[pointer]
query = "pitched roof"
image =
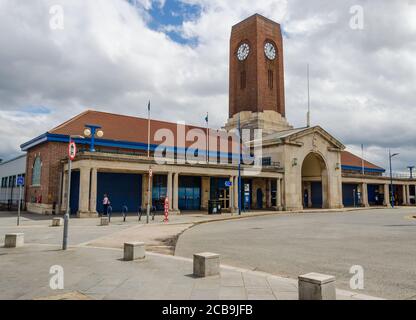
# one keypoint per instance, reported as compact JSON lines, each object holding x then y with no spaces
{"x":351,"y":160}
{"x":122,"y":128}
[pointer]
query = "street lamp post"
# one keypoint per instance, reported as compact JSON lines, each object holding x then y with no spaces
{"x":391,"y":178}
{"x":67,"y":213}
{"x":411,"y":168}
{"x":91,"y":131}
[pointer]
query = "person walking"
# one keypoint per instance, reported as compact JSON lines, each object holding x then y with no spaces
{"x":106,"y":204}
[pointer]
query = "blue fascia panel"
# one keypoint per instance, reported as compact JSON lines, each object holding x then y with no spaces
{"x":354,"y":168}
{"x":112,"y":143}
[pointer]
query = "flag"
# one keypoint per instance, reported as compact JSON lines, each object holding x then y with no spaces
{"x":148,"y":106}
{"x":206,"y":118}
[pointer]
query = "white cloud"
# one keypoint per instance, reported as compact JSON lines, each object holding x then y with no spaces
{"x":109,"y":59}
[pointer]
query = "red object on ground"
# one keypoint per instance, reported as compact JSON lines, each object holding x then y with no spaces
{"x":166,"y":210}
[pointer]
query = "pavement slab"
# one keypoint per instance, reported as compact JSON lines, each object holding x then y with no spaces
{"x":99,"y":273}
{"x":94,"y":268}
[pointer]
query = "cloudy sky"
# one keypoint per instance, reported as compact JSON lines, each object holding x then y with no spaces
{"x":115,"y":55}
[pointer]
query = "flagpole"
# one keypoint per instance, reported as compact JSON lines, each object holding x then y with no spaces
{"x":362,"y":158}
{"x":207,"y":121}
{"x":239,"y":166}
{"x":148,"y":130}
{"x":149,"y":173}
{"x":308,"y":116}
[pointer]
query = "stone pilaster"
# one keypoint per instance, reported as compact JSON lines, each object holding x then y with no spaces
{"x":84,"y":193}
{"x":364,"y":194}
{"x":170,"y":190}
{"x":93,"y":198}
{"x":176,"y":192}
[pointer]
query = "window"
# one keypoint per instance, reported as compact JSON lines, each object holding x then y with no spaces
{"x":3,"y":182}
{"x":266,"y":161}
{"x":12,"y":181}
{"x":243,"y":80}
{"x":270,"y":79}
{"x":36,"y":172}
{"x":10,"y":185}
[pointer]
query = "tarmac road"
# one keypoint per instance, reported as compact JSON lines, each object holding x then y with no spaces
{"x":382,"y":241}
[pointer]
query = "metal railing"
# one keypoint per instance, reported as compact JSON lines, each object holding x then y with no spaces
{"x":398,"y":175}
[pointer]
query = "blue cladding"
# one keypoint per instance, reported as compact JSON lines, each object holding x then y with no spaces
{"x":123,"y":189}
{"x":189,"y":193}
{"x":74,"y":200}
{"x":316,"y":195}
{"x":348,"y":195}
{"x":373,"y":195}
{"x":159,"y":191}
{"x":360,"y":169}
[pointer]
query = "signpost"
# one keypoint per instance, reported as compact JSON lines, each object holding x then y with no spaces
{"x":72,"y":150}
{"x":20,"y":183}
{"x":229,"y":185}
{"x":166,"y":210}
{"x":72,"y":153}
{"x":149,"y":196}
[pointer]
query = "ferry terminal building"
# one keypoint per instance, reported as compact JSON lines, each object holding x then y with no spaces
{"x":301,"y":167}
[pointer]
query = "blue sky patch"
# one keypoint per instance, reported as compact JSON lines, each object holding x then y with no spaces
{"x":36,"y":110}
{"x":170,"y":17}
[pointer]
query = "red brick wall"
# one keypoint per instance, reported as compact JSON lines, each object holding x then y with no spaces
{"x":51,"y":153}
{"x":257,"y":96}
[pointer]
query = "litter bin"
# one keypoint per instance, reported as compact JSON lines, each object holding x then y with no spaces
{"x":214,"y":207}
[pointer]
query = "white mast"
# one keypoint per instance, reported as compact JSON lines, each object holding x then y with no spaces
{"x":308,"y":115}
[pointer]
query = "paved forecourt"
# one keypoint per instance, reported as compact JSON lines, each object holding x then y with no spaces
{"x":381,"y":241}
{"x":99,"y":272}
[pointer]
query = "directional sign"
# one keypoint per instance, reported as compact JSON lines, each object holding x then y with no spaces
{"x":72,"y":150}
{"x":228,"y":184}
{"x":20,"y":181}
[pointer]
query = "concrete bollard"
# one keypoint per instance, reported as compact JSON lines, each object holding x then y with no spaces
{"x":57,"y":222}
{"x":134,"y":251}
{"x":14,"y":240}
{"x":206,"y":264}
{"x":105,"y":221}
{"x":316,"y":286}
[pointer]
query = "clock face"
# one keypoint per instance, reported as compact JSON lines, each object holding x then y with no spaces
{"x":270,"y":51}
{"x":243,"y":52}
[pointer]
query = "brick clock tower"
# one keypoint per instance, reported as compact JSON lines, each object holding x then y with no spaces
{"x":257,"y":92}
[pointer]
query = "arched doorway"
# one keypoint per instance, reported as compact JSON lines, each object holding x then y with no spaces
{"x":314,"y":182}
